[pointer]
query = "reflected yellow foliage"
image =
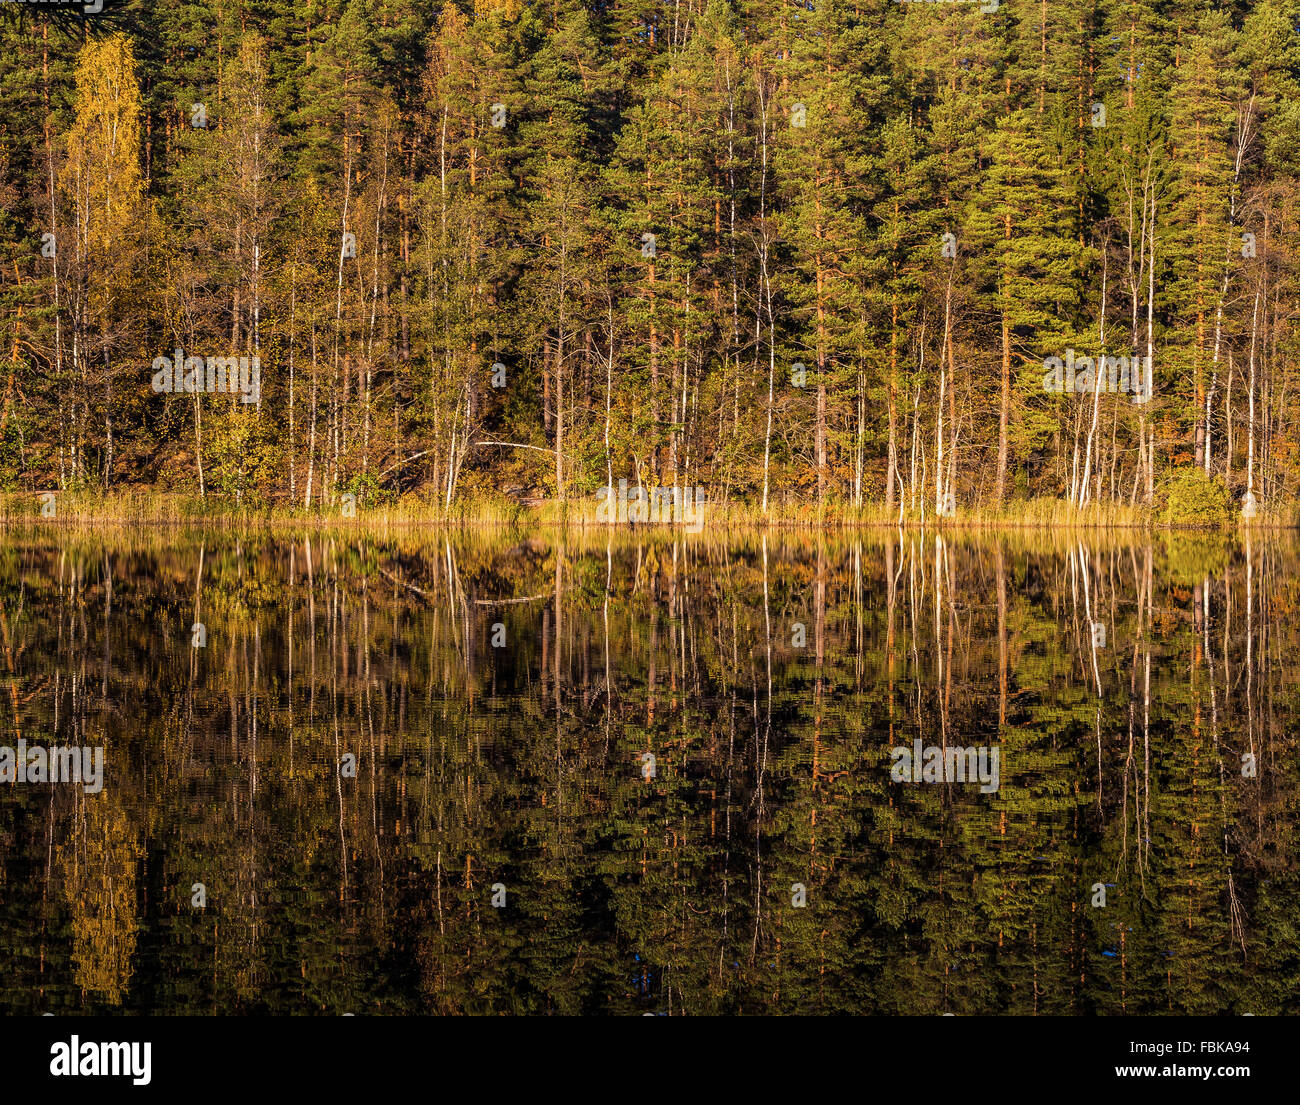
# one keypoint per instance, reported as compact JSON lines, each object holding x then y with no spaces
{"x":98,"y":865}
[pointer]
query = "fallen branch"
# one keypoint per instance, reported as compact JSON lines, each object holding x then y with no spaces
{"x":402,"y":583}
{"x":399,"y":464}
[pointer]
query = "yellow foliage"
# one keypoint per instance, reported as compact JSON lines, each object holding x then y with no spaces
{"x":102,"y":174}
{"x":505,"y":10}
{"x":98,"y":863}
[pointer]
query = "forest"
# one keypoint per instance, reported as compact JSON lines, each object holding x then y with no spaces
{"x":828,"y":259}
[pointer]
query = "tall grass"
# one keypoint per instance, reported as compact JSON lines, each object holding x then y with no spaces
{"x":142,"y":507}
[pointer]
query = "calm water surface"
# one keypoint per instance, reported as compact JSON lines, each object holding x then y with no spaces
{"x":383,"y":736}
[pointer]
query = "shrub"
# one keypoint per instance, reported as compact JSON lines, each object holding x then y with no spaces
{"x":1194,"y":499}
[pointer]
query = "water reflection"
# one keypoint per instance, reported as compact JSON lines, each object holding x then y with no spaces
{"x":308,"y":806}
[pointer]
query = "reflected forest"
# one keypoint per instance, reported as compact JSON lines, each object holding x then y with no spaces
{"x":644,"y":774}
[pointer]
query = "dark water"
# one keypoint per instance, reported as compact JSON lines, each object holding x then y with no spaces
{"x":349,"y":766}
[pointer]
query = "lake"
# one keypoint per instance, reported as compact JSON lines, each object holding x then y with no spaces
{"x":635,"y":772}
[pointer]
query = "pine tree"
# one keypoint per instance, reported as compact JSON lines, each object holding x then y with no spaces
{"x":824,"y":168}
{"x":1198,"y":245}
{"x":1021,"y":229}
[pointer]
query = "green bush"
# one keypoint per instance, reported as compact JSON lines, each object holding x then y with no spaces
{"x":1194,"y":499}
{"x":368,"y":491}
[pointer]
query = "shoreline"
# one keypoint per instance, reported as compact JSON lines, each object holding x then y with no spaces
{"x":161,"y":510}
